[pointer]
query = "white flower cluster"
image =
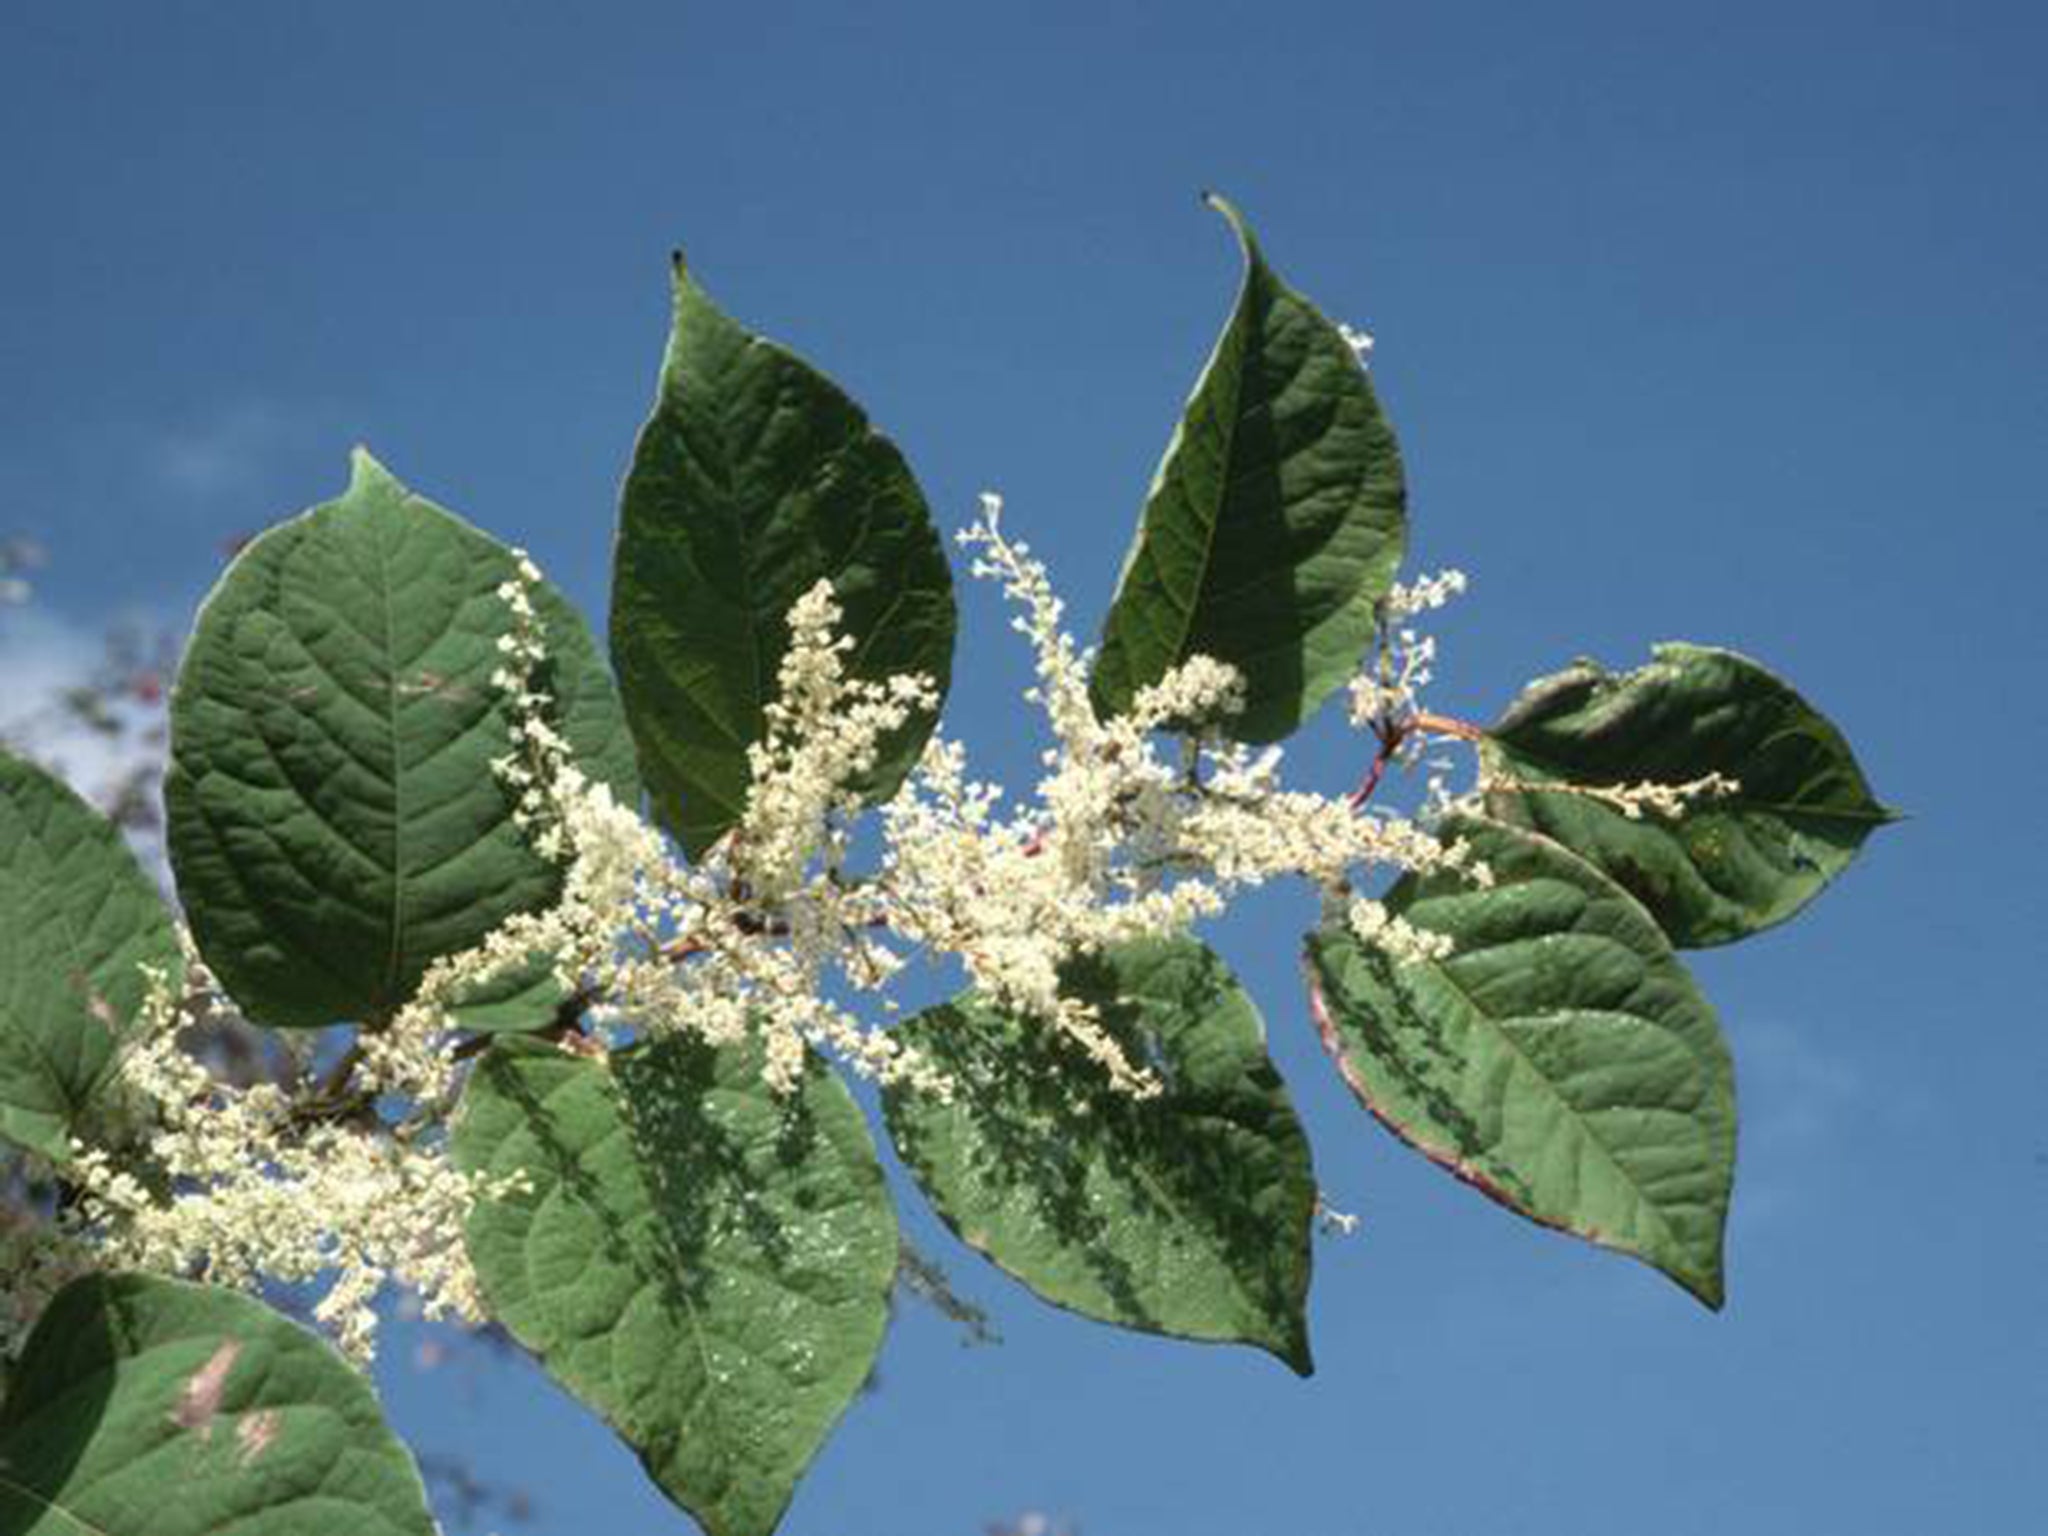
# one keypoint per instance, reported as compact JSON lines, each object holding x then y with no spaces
{"x":768,"y":937}
{"x":240,"y":1184}
{"x":823,"y":733}
{"x":541,"y":758}
{"x":1120,"y":843}
{"x":1401,"y":941}
{"x":1117,"y":844}
{"x":1390,"y":687}
{"x":1633,"y":800}
{"x":743,"y":943}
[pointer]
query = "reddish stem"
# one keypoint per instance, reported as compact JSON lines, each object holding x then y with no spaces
{"x":1392,"y":733}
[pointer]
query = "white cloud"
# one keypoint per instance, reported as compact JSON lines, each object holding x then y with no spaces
{"x":226,"y":454}
{"x":46,"y":658}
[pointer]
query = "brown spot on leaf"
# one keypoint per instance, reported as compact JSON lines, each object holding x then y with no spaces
{"x":102,"y":1010}
{"x":199,"y":1399}
{"x":253,"y":1434}
{"x":96,"y":1004}
{"x":429,"y":682}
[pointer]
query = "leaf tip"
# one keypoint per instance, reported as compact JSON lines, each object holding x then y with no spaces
{"x":364,"y":468}
{"x":1294,"y":1353}
{"x":1234,"y":217}
{"x":1709,"y":1290}
{"x":682,"y":279}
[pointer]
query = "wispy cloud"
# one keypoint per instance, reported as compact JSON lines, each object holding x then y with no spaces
{"x":227,"y":453}
{"x":59,"y":709}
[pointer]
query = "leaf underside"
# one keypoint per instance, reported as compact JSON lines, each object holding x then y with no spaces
{"x":1186,"y":1214}
{"x":1275,"y":523}
{"x":334,"y":820}
{"x":1728,"y":865}
{"x":1560,"y":1060}
{"x":705,"y":1265}
{"x":151,"y":1407}
{"x":755,"y":478}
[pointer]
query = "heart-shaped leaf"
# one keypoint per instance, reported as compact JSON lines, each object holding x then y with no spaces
{"x":705,"y":1264}
{"x":1726,"y":865}
{"x":1560,"y":1059}
{"x":334,"y":820}
{"x":78,"y":920}
{"x":1275,"y":523}
{"x":755,"y":478}
{"x":151,"y":1407}
{"x":1187,"y":1213}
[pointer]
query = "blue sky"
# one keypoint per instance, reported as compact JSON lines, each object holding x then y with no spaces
{"x":1722,"y":323}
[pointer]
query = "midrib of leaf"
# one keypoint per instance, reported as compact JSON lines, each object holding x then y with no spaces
{"x":398,"y":892}
{"x":650,"y":1181}
{"x":1184,"y":619}
{"x":9,"y":1485}
{"x":1145,"y":1176}
{"x":719,"y":473}
{"x":1586,"y":1130}
{"x":728,"y":460}
{"x":1561,"y":774}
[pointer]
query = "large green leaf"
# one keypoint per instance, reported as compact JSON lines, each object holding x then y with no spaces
{"x":335,"y":824}
{"x":1187,"y":1213}
{"x":1275,"y":523}
{"x":705,"y":1264}
{"x":150,"y":1407}
{"x":1727,"y":865}
{"x":78,"y":919}
{"x":755,"y":477}
{"x":1560,"y":1060}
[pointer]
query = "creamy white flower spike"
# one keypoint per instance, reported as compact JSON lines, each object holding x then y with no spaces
{"x":250,"y":1183}
{"x":1389,"y":686}
{"x":1635,"y":799}
{"x":1395,"y":936}
{"x":824,"y":732}
{"x":1140,"y":827}
{"x":1119,"y":843}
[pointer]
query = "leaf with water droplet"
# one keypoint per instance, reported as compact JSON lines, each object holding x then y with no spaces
{"x":681,"y":1226}
{"x":1187,"y":1213}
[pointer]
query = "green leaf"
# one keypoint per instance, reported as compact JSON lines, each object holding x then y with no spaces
{"x":1185,"y":1214}
{"x":78,"y":920}
{"x":1727,"y":865}
{"x":150,"y":1407}
{"x":703,"y":1263}
{"x":334,"y":820}
{"x":1560,"y":1060}
{"x":755,"y":478}
{"x":516,"y":999}
{"x":1275,"y":523}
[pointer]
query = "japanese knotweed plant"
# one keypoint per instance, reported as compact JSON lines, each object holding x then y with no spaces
{"x":570,"y":959}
